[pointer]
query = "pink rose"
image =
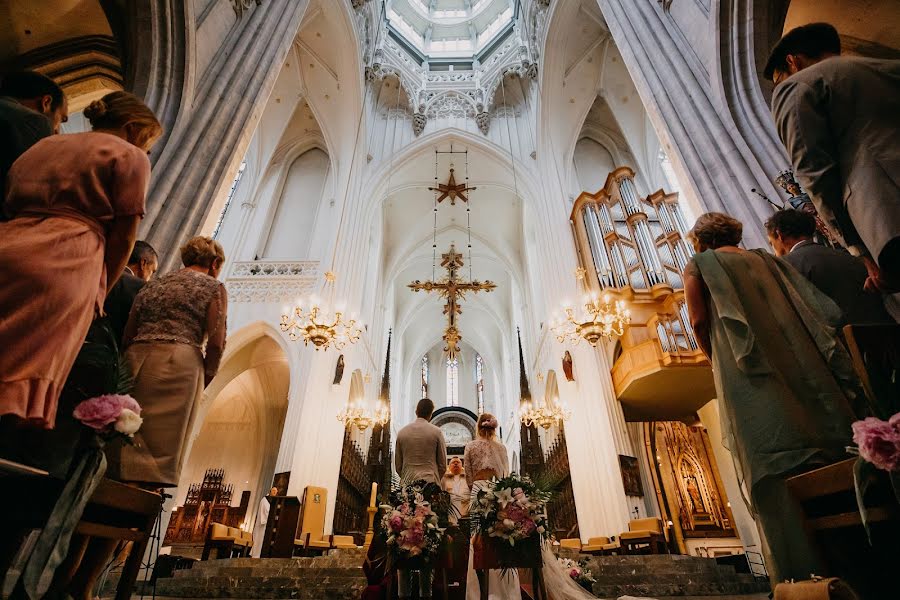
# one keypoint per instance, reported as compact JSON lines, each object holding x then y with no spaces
{"x":879,"y":442}
{"x":101,"y":412}
{"x":574,"y":573}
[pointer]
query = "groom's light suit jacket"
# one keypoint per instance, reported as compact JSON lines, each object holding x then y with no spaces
{"x":420,"y":452}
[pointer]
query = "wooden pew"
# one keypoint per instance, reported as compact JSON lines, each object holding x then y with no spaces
{"x":115,"y":511}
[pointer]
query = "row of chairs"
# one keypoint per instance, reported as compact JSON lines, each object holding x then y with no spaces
{"x":228,"y":542}
{"x":643,"y":536}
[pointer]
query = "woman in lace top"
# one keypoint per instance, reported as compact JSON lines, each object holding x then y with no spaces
{"x":174,"y":318}
{"x":485,"y":456}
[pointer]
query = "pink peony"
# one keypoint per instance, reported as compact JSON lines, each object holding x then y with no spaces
{"x":879,"y":442}
{"x":396,"y":523}
{"x":101,"y":412}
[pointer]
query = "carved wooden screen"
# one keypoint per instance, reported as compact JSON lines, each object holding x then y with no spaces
{"x":690,"y":477}
{"x":561,"y":510}
{"x":207,"y":502}
{"x":353,"y":490}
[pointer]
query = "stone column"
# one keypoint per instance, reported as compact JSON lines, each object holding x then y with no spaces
{"x":698,"y":132}
{"x":210,"y":125}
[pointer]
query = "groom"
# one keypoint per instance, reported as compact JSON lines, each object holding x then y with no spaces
{"x":420,"y":452}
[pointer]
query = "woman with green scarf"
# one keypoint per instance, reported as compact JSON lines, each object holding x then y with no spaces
{"x":784,"y":381}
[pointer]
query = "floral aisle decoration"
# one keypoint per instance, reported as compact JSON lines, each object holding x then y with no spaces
{"x":509,"y":520}
{"x":579,"y":572}
{"x":878,"y":448}
{"x":110,"y":415}
{"x":411,"y":528}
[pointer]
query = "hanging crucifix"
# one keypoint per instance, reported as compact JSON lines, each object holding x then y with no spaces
{"x":453,"y":291}
{"x":452,"y":190}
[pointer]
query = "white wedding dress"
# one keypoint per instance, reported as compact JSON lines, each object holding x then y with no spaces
{"x":491,"y":455}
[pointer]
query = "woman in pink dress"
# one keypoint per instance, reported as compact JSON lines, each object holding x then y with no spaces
{"x":75,"y":202}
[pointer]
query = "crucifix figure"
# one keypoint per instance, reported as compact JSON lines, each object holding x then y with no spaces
{"x":452,"y":190}
{"x":453,"y":291}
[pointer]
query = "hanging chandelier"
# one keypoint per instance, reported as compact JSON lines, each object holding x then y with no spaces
{"x":355,"y":416}
{"x":545,"y":416}
{"x":600,"y":320}
{"x":314,"y":326}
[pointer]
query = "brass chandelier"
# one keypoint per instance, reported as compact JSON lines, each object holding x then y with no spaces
{"x":545,"y":416}
{"x":314,"y":326}
{"x":355,"y":416}
{"x":601,"y":320}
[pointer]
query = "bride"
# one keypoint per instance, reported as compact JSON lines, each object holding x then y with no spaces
{"x":486,"y":458}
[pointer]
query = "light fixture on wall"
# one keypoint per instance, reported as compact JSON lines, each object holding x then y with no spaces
{"x":355,"y":416}
{"x":545,"y":416}
{"x":315,"y":326}
{"x":600,"y":320}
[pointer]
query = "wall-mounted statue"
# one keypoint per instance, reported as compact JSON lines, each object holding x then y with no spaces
{"x":567,"y":366}
{"x":338,"y":371}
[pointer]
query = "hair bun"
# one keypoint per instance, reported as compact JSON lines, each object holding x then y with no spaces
{"x":95,"y":110}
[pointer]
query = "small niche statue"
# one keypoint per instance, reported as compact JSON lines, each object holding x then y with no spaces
{"x":800,"y":200}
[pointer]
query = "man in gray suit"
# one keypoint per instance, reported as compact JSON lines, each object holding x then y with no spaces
{"x":420,"y":452}
{"x":839,"y":118}
{"x":834,"y":272}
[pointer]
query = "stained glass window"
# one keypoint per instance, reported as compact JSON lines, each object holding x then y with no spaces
{"x":425,"y":376}
{"x":452,"y":382}
{"x":234,"y":185}
{"x":479,"y":382}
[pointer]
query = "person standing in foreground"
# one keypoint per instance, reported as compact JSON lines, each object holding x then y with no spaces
{"x":32,"y":107}
{"x":173,"y":318}
{"x":785,"y":384}
{"x":421,"y":453}
{"x":75,"y":202}
{"x":141,"y":266}
{"x":839,"y":119}
{"x":836,"y":273}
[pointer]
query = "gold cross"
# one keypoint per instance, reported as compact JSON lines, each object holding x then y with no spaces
{"x":452,"y":190}
{"x":453,"y":291}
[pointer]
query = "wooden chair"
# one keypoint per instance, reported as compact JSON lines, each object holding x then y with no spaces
{"x":599,"y":546}
{"x":643,"y":533}
{"x":827,"y":500}
{"x":228,"y":542}
{"x":875,"y":351}
{"x":115,"y":511}
{"x":312,"y":539}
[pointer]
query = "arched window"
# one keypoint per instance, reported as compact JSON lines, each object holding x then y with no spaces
{"x":453,"y":382}
{"x":234,"y":184}
{"x":479,"y":382}
{"x":425,"y":376}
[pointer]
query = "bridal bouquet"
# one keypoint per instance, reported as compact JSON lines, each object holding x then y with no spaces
{"x":507,"y":512}
{"x":411,"y":526}
{"x":579,"y":572}
{"x":110,"y":415}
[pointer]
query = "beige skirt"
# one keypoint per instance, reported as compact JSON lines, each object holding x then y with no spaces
{"x":168,"y":384}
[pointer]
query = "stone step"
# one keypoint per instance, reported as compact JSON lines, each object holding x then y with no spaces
{"x":315,"y":571}
{"x":675,"y":578}
{"x":658,"y":590}
{"x":263,"y":587}
{"x":713,"y":569}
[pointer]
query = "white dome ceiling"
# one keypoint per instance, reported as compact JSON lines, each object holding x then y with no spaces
{"x":450,"y":28}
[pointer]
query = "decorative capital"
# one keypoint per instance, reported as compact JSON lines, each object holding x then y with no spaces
{"x":241,"y":5}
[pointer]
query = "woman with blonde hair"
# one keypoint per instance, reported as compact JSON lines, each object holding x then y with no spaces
{"x":174,"y":317}
{"x":75,"y":202}
{"x":784,"y":382}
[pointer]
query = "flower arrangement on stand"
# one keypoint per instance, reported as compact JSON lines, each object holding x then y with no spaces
{"x":110,"y":415}
{"x":410,"y":526}
{"x":877,"y":446}
{"x":509,"y":520}
{"x":579,"y":572}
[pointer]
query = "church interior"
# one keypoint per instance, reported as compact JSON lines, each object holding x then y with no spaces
{"x":495,"y":205}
